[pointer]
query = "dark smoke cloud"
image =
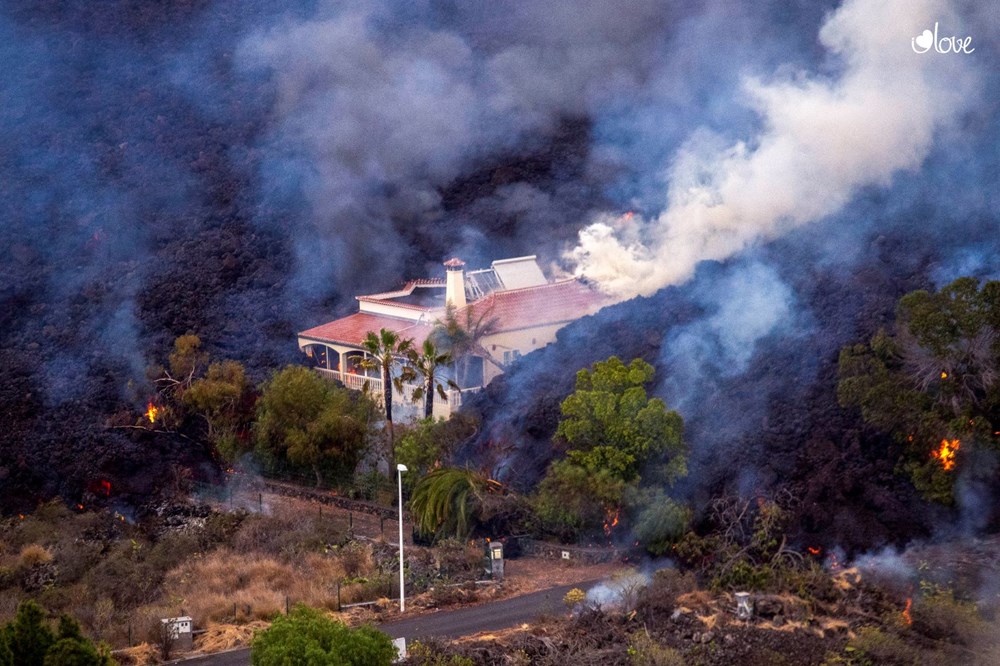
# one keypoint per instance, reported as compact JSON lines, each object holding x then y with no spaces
{"x":380,"y":106}
{"x":241,"y":169}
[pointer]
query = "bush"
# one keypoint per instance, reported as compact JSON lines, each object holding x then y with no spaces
{"x":430,"y":654}
{"x":574,"y":597}
{"x":878,"y":648}
{"x":942,"y":617}
{"x":33,"y":555}
{"x":660,"y":596}
{"x":357,"y":559}
{"x":661,"y":523}
{"x":644,"y":651}
{"x":307,"y":636}
{"x":458,"y":559}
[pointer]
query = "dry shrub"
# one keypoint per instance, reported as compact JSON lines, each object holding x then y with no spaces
{"x":456,"y":558}
{"x":226,"y":587}
{"x":699,"y":600}
{"x":366,"y":590}
{"x":219,"y":637}
{"x":644,"y":651}
{"x":356,"y":558}
{"x":283,"y":533}
{"x":323,"y":568}
{"x":143,"y":654}
{"x":660,"y":597}
{"x":34,"y":554}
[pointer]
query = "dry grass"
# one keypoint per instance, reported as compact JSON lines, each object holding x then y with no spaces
{"x":219,"y":637}
{"x":357,"y":558}
{"x":698,"y":601}
{"x":226,"y":587}
{"x":143,"y":654}
{"x":34,"y":554}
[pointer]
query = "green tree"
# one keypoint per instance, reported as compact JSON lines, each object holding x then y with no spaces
{"x":427,"y":363}
{"x":312,"y":422}
{"x":184,"y":363}
{"x":307,"y":636}
{"x":572,"y":499}
{"x":611,"y":424}
{"x":223,"y":398}
{"x":28,"y":635}
{"x":445,"y":502}
{"x":660,"y":520}
{"x":428,"y":443}
{"x":73,"y":649}
{"x":28,"y":641}
{"x":6,"y":656}
{"x":387,"y":351}
{"x":614,"y":434}
{"x":934,"y":381}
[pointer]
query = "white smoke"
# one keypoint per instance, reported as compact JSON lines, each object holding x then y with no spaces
{"x":822,"y":138}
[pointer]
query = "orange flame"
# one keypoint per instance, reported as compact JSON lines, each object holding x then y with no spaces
{"x":907,"y":618}
{"x":611,"y":522}
{"x":151,"y":412}
{"x":946,"y":453}
{"x":814,"y":550}
{"x":944,"y":375}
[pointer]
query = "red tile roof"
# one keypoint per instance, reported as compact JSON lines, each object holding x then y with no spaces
{"x":351,"y":330}
{"x":554,"y":303}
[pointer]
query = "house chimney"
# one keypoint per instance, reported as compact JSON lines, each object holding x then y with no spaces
{"x":454,"y":292}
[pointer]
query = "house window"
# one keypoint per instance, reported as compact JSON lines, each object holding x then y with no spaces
{"x":352,"y":361}
{"x":320,"y":355}
{"x":470,"y":372}
{"x":511,"y":356}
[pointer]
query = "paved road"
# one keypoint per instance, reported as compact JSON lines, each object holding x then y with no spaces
{"x":446,"y":624}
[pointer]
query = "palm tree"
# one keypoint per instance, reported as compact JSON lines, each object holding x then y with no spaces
{"x":444,"y":502}
{"x":450,"y":502}
{"x":462,"y":335}
{"x":386,"y":350}
{"x":426,"y":363}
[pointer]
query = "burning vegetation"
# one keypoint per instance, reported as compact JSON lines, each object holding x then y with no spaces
{"x":945,"y":454}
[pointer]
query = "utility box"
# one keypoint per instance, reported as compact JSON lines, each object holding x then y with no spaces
{"x":744,"y":605}
{"x":178,"y":633}
{"x":495,"y":553}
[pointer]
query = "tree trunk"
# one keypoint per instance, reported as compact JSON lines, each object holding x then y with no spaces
{"x":319,"y":479}
{"x":429,"y":395}
{"x":387,"y":397}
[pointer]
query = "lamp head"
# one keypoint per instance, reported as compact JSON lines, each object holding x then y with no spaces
{"x":401,"y":468}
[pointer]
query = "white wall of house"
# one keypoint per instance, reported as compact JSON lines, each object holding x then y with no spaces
{"x":522,"y":341}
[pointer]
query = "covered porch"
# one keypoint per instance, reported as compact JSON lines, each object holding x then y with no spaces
{"x":345,"y":364}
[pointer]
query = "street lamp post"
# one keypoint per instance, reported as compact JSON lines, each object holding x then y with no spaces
{"x":400,"y":468}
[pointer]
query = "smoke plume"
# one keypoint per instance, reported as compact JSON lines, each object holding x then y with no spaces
{"x":823,"y":136}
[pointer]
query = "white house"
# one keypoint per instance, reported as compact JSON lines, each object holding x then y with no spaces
{"x":517,"y":309}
